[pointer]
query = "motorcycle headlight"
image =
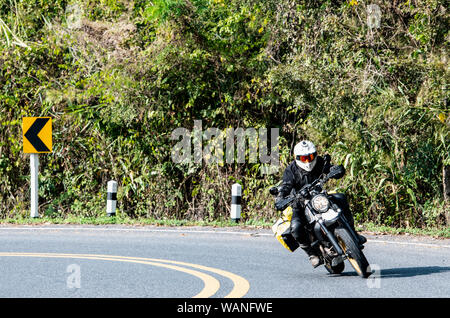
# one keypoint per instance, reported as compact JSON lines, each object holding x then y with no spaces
{"x":320,"y":203}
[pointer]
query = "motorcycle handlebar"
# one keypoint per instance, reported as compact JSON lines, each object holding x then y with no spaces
{"x":322,"y":180}
{"x":283,"y":204}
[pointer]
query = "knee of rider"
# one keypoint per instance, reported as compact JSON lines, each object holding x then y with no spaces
{"x":296,"y":228}
{"x":342,"y":200}
{"x":340,"y":197}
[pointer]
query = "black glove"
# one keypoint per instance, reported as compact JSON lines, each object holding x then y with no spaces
{"x":337,"y":172}
{"x":304,"y":194}
{"x":282,"y":203}
{"x":279,"y":202}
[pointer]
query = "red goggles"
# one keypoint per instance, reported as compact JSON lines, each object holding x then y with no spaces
{"x":307,"y":158}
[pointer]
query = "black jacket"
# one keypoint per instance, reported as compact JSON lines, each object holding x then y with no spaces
{"x":295,"y":178}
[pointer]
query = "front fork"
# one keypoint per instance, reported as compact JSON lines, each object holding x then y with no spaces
{"x":322,"y":228}
{"x":333,"y":239}
{"x":330,"y":237}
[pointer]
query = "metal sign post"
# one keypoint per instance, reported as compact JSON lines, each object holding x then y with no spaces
{"x":34,"y":164}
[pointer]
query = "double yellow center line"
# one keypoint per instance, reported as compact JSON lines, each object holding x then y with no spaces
{"x":211,"y":284}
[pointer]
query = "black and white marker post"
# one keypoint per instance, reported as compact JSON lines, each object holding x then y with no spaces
{"x":236,"y":198}
{"x":111,"y":201}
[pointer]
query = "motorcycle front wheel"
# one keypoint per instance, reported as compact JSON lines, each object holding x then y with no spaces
{"x":354,"y":255}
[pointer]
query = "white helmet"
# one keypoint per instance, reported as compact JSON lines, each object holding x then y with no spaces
{"x":305,"y":155}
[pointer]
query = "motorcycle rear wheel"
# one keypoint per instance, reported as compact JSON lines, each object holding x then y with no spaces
{"x":339,"y":268}
{"x":354,"y":255}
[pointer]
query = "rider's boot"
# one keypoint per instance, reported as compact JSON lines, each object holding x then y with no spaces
{"x":313,"y":257}
{"x":362,"y":239}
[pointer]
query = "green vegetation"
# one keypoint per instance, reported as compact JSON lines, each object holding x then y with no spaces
{"x":372,"y":228}
{"x":119,"y":76}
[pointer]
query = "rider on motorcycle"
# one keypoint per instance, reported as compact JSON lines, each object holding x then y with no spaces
{"x":306,"y":168}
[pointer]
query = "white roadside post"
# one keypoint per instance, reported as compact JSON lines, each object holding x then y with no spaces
{"x":34,"y":167}
{"x":236,"y":198}
{"x":111,"y":201}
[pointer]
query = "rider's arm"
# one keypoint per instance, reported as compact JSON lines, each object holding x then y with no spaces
{"x":288,"y":183}
{"x":328,"y":166}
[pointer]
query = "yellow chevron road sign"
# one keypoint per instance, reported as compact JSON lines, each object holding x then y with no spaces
{"x":37,"y":134}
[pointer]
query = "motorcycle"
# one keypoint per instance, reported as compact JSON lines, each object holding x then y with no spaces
{"x":329,"y":231}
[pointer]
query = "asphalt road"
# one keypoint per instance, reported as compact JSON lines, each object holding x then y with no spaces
{"x":146,"y":262}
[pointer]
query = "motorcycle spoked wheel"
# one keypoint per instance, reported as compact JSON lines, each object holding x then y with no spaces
{"x":354,"y":255}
